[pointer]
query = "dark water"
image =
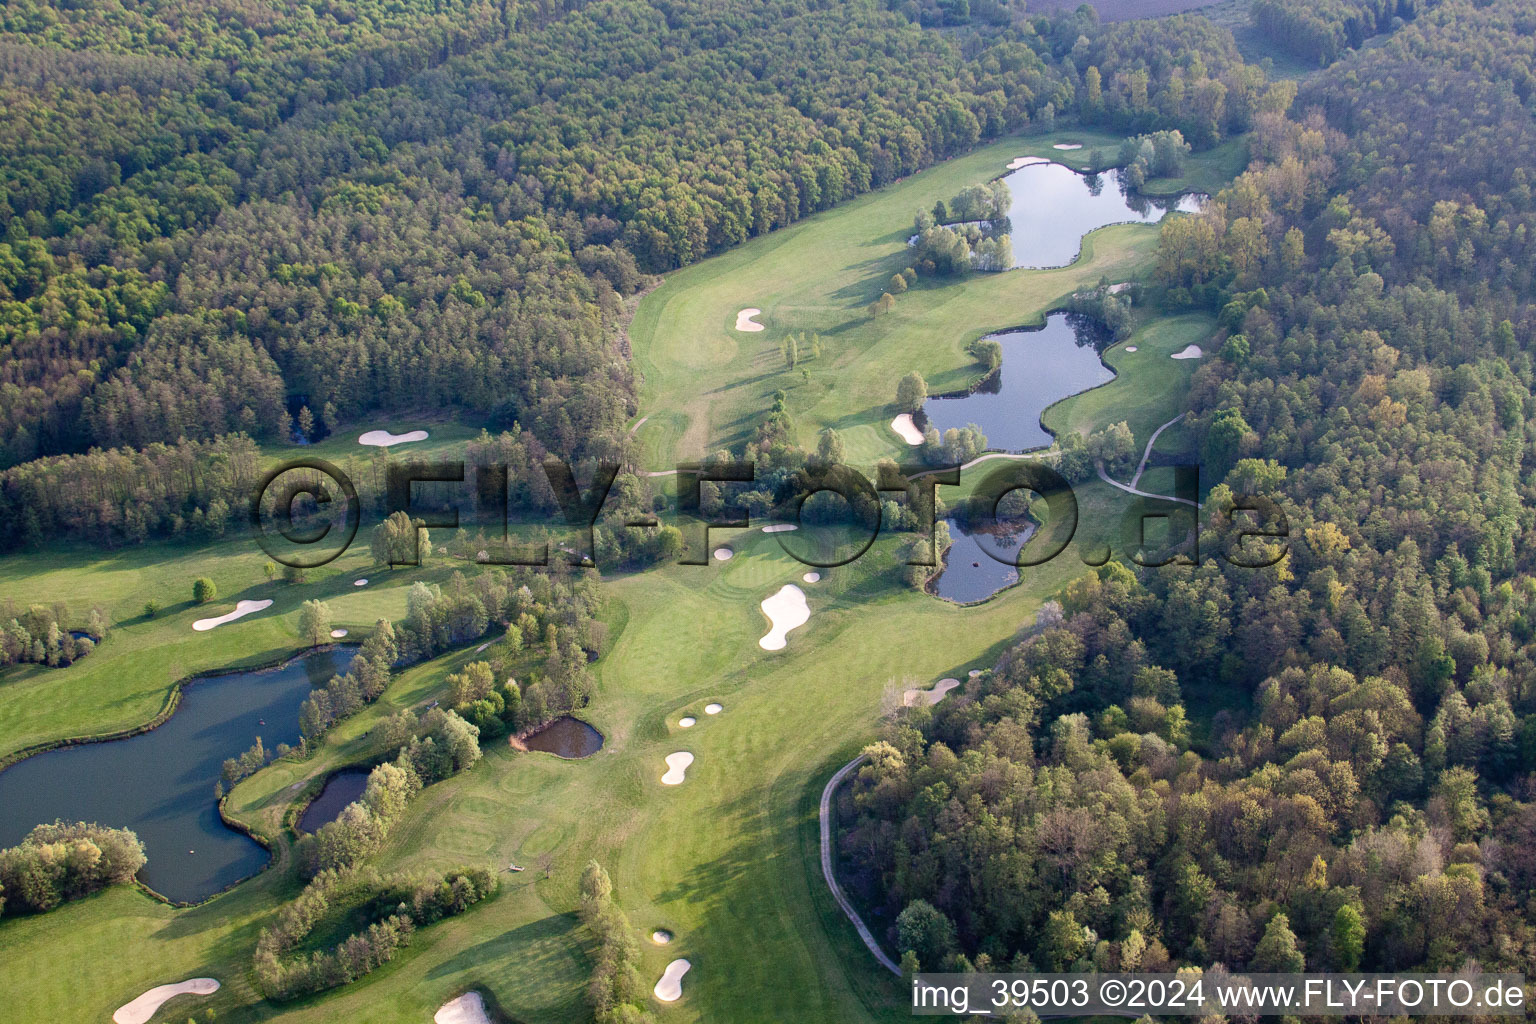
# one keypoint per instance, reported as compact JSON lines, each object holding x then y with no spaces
{"x":1040,"y":367}
{"x":160,"y":783}
{"x":970,"y":573}
{"x":567,"y":737}
{"x":1054,"y":207}
{"x":341,"y":789}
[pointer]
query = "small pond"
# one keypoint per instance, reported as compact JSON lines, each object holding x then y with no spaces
{"x":566,"y":737}
{"x":160,"y":783}
{"x":341,"y":788}
{"x":1040,"y":367}
{"x":1054,"y":207}
{"x":970,"y":573}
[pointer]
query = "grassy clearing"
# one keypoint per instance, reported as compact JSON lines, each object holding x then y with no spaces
{"x":706,"y":385}
{"x":127,"y":679}
{"x":1149,"y":387}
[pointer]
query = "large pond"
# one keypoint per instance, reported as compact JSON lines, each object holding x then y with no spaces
{"x":1041,"y":366}
{"x":341,"y":789}
{"x":970,"y":573}
{"x":1054,"y":207}
{"x":566,"y":737}
{"x":160,"y":783}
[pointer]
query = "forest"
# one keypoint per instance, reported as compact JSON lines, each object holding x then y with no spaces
{"x":1326,"y":763}
{"x":206,"y":243}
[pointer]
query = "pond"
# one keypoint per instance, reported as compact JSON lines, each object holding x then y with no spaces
{"x":1041,"y":366}
{"x":160,"y":783}
{"x":566,"y":737}
{"x":1054,"y":207}
{"x":341,"y":788}
{"x":969,"y":572}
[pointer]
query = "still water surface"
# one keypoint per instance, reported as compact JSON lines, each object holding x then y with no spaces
{"x":160,"y":783}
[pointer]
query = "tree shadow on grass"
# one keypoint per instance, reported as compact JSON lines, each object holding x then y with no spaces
{"x":523,"y":959}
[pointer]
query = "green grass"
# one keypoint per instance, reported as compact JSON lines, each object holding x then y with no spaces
{"x":1149,"y":387}
{"x":127,"y":679}
{"x":706,"y":385}
{"x":727,"y":861}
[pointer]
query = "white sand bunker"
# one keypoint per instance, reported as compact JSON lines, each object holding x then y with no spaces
{"x":670,"y":988}
{"x":723,"y":554}
{"x":144,"y":1007}
{"x":337,"y":634}
{"x":914,"y":697}
{"x":242,"y":609}
{"x":661,"y":936}
{"x":1188,"y":352}
{"x":468,"y":1008}
{"x":1116,"y":289}
{"x":906,"y":429}
{"x":677,"y":768}
{"x":359,"y":583}
{"x":687,"y":722}
{"x":1130,"y":348}
{"x":973,"y":673}
{"x":780,"y":528}
{"x":713,"y":709}
{"x":383,"y":438}
{"x":1068,"y":145}
{"x":744,"y":321}
{"x":1026,"y":161}
{"x":812,"y":577}
{"x":786,"y":610}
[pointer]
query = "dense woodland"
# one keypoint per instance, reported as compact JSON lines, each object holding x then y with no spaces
{"x":1322,"y":31}
{"x":237,"y":222}
{"x":60,"y":862}
{"x":1330,"y":762}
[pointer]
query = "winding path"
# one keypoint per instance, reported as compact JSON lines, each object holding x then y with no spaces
{"x":1139,"y":493}
{"x":826,"y":866}
{"x":1141,"y":466}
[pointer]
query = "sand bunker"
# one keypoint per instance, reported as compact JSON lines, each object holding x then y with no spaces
{"x":468,"y":1008}
{"x":723,"y":554}
{"x":1068,"y":145}
{"x":1188,"y":352}
{"x":144,"y":1007}
{"x":780,"y":528}
{"x":1130,"y":348}
{"x":785,"y":610}
{"x":677,"y":769}
{"x":661,"y":936}
{"x":242,"y":609}
{"x":1026,"y":161}
{"x":670,"y":988}
{"x":337,"y":634}
{"x":906,"y":429}
{"x":359,"y":583}
{"x":1116,"y":289}
{"x":914,"y":697}
{"x":812,"y":577}
{"x":383,"y":438}
{"x":744,"y":321}
{"x":973,"y":673}
{"x":713,"y":709}
{"x":687,"y":722}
